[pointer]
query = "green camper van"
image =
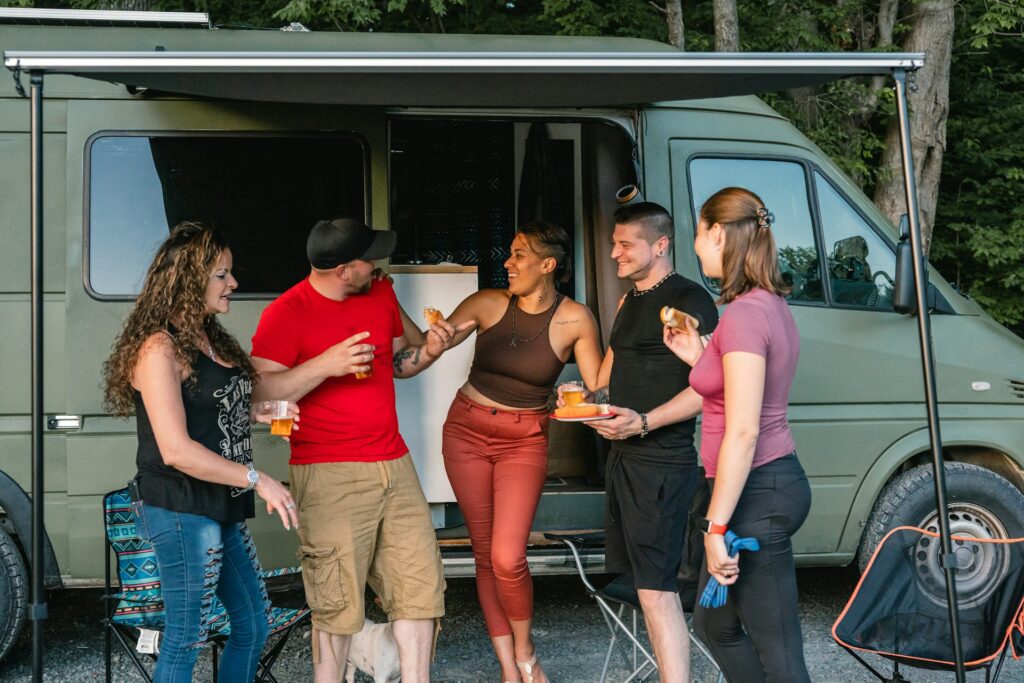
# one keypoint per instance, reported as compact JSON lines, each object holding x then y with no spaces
{"x":452,"y":168}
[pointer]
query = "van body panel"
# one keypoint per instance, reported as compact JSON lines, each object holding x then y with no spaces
{"x":15,"y":343}
{"x":14,"y":210}
{"x":962,"y":425}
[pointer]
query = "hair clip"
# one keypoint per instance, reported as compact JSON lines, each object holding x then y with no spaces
{"x":765,"y":218}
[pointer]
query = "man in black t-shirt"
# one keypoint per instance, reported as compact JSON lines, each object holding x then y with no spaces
{"x":652,"y":469}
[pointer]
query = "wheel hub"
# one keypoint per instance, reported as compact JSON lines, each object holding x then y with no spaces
{"x":980,"y":567}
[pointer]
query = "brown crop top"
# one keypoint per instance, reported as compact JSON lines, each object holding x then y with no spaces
{"x":521,"y":375}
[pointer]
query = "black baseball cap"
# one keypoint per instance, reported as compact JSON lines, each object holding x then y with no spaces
{"x":341,"y":240}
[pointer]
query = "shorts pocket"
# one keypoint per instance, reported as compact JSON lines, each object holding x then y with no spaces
{"x":321,"y":576}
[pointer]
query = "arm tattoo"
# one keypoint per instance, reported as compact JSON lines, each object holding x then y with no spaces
{"x":408,"y":352}
{"x":399,"y":359}
{"x":567,"y":322}
{"x":601,"y":396}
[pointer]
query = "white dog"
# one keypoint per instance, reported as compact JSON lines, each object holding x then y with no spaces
{"x":374,"y":651}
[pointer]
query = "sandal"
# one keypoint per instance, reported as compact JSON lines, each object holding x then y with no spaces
{"x":527,"y":668}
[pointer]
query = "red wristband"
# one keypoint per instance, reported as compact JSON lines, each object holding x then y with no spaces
{"x":709,"y":527}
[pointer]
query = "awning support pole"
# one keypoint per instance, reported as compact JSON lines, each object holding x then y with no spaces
{"x":38,"y":612}
{"x":928,"y":366}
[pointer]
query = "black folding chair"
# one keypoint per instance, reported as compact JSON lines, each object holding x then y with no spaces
{"x":137,"y":605}
{"x":620,"y":606}
{"x":899,"y":608}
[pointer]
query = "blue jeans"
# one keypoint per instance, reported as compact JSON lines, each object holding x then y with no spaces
{"x":199,"y":557}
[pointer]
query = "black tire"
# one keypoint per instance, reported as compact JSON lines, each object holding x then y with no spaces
{"x":13,"y":593}
{"x":981,"y":504}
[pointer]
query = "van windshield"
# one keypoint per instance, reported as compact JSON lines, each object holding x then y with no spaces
{"x":264,"y":192}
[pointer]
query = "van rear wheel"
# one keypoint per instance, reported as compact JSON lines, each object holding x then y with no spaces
{"x":981,"y":505}
{"x":13,"y":593}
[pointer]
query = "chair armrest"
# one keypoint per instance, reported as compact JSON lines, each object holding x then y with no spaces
{"x":588,"y":539}
{"x":283,"y":571}
{"x":133,"y":597}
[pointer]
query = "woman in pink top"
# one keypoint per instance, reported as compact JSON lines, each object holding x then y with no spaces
{"x":759,"y":489}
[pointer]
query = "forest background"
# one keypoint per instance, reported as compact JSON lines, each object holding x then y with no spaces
{"x":967,"y":111}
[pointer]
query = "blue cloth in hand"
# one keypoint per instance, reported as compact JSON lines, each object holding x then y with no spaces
{"x":715,"y":594}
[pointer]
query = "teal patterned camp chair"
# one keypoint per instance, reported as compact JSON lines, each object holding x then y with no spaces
{"x":137,"y":604}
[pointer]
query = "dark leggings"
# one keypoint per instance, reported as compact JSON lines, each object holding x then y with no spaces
{"x":756,"y":636}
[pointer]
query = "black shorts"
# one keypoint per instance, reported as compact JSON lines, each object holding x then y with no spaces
{"x":647,"y":503}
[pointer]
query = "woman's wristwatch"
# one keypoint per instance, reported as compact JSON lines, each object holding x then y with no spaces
{"x":706,"y":526}
{"x":252,"y":477}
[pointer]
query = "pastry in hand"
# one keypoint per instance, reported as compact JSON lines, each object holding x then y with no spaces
{"x":432,"y":315}
{"x":676,"y":318}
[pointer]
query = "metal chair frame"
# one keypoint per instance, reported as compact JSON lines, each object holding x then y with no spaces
{"x":622,"y":635}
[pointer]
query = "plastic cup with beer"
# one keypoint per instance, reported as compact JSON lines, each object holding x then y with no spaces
{"x":280,"y":420}
{"x":572,"y":392}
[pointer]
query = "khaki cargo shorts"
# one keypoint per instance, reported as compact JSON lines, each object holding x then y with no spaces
{"x":366,"y":522}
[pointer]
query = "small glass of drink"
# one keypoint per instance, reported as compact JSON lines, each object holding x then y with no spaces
{"x":572,"y":392}
{"x":368,"y":373}
{"x":280,"y":420}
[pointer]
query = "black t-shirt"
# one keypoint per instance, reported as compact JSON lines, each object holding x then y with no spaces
{"x":645,"y":373}
{"x":217,"y":416}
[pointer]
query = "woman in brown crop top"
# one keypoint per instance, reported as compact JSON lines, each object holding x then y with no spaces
{"x":495,"y":438}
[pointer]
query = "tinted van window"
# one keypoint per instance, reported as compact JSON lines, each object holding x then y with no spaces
{"x":782,"y":187}
{"x":859,"y":263}
{"x":263,"y":192}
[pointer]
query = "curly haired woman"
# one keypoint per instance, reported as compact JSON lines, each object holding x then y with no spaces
{"x":189,"y":384}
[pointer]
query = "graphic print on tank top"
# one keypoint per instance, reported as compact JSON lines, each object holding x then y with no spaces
{"x":233,"y":420}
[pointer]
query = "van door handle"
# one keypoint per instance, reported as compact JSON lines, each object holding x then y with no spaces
{"x":64,"y":422}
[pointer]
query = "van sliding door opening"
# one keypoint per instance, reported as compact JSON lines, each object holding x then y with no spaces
{"x":459,"y":188}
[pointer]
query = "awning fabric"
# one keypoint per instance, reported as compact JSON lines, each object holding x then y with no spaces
{"x":462,"y":78}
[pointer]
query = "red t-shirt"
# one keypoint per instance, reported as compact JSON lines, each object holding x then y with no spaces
{"x":756,"y":322}
{"x":344,"y":419}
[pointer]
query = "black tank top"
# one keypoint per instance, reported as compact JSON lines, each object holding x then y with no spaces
{"x":217,"y":416}
{"x":645,"y":373}
{"x":520,"y":375}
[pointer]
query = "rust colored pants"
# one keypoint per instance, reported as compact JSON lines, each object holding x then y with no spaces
{"x":497,"y":461}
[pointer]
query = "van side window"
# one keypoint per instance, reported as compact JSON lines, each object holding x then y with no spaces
{"x":264,"y":192}
{"x":859,"y":264}
{"x":782,"y":186}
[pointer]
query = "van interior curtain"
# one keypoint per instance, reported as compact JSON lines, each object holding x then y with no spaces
{"x":607,"y":154}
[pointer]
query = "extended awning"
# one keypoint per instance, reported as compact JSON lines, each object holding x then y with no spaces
{"x":484,"y":76}
{"x":453,"y":79}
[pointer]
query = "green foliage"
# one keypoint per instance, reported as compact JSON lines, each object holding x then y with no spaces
{"x":979,"y":238}
{"x":623,"y":18}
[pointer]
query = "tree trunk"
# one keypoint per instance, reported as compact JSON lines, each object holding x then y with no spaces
{"x":931,"y":32}
{"x":727,"y":27}
{"x":674,"y":17}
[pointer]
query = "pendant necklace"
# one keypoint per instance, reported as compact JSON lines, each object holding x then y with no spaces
{"x":516,"y":341}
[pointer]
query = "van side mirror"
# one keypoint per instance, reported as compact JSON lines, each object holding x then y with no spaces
{"x":904,"y":295}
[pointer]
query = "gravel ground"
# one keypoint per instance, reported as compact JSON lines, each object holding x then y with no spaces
{"x":570,"y":633}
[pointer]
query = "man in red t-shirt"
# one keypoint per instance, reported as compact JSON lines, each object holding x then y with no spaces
{"x":333,"y":343}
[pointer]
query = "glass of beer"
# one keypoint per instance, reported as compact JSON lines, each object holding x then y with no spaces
{"x":572,"y":392}
{"x":280,"y":420}
{"x":368,"y":373}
